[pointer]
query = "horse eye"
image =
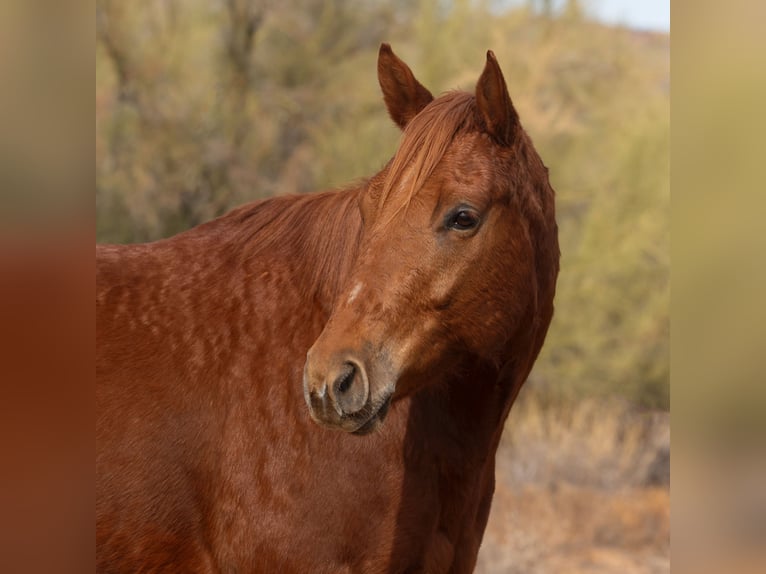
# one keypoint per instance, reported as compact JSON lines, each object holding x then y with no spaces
{"x":462,"y":219}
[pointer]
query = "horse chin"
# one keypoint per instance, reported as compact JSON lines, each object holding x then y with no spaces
{"x":376,"y":420}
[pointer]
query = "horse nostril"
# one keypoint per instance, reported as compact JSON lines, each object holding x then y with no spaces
{"x":343,"y":382}
{"x":349,"y":390}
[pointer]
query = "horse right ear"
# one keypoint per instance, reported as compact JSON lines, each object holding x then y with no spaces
{"x":494,"y":103}
{"x":403,"y":94}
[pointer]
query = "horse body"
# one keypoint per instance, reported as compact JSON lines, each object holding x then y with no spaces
{"x":209,"y":459}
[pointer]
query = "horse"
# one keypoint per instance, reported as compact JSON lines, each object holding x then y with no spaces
{"x":318,"y":383}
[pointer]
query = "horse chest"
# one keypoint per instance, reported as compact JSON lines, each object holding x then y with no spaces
{"x":318,"y":500}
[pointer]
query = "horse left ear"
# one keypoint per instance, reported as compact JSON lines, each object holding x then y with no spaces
{"x":403,"y":94}
{"x":494,"y":103}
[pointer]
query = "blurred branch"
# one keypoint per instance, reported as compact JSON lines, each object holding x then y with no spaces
{"x":108,"y":36}
{"x":244,"y":19}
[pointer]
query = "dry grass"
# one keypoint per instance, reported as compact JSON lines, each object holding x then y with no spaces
{"x":581,"y":488}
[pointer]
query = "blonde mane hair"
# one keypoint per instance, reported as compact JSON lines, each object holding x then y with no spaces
{"x":425,"y":140}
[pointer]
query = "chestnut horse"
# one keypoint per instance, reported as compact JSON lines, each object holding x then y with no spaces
{"x":409,"y":309}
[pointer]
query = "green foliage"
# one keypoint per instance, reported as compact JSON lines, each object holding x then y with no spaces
{"x":201,"y":107}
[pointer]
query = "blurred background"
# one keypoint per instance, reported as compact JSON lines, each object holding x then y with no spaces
{"x":202,"y":105}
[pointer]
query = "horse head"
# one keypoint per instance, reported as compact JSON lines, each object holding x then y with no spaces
{"x":457,"y":258}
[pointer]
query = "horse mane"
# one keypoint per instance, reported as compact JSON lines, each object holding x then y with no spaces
{"x":425,"y":140}
{"x":323,"y":227}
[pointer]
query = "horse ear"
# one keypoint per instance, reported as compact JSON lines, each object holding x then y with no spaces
{"x":494,"y":103}
{"x":403,"y":94}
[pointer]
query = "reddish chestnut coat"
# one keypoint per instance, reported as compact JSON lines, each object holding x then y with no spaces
{"x":423,"y":296}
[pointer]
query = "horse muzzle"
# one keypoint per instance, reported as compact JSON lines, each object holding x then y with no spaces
{"x":339,"y":393}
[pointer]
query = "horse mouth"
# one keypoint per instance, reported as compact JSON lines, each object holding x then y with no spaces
{"x":375,"y":420}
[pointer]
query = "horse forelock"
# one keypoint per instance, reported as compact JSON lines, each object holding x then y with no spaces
{"x":424,"y":142}
{"x":427,"y":138}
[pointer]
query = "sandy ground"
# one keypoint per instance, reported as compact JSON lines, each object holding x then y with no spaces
{"x":561,"y":528}
{"x":586,"y":491}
